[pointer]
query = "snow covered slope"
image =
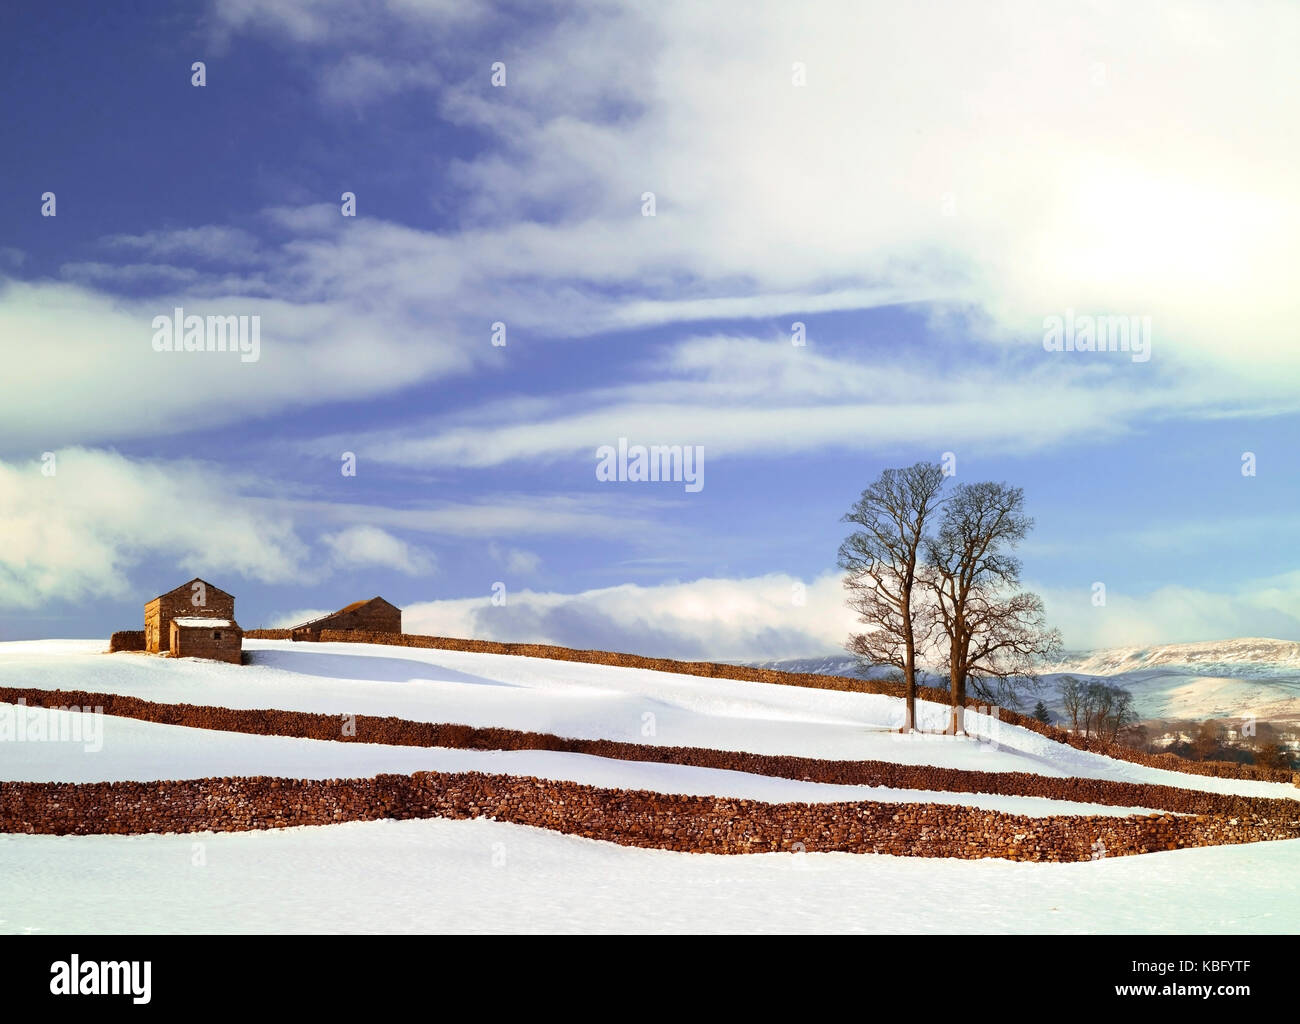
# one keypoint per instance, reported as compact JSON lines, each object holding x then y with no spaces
{"x":574,"y":699}
{"x":478,"y":875}
{"x":125,"y":749}
{"x":486,"y":876}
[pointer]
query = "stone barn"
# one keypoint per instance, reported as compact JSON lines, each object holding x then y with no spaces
{"x":195,"y":599}
{"x":375,"y":615}
{"x":214,"y":639}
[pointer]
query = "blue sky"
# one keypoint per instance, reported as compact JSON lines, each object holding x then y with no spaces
{"x":919,"y":188}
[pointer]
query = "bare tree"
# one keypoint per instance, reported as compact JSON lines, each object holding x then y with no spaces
{"x":996,"y":633}
{"x":1101,"y":699}
{"x":1087,"y":705}
{"x":1009,"y":639}
{"x":1136,"y":736}
{"x":880,"y":560}
{"x":1122,"y":715}
{"x":1208,"y":740}
{"x":1271,"y":755}
{"x":1072,"y":692}
{"x":1106,"y":710}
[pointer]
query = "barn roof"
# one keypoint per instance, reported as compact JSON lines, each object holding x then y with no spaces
{"x":189,"y":586}
{"x":190,"y":622}
{"x":343,"y":611}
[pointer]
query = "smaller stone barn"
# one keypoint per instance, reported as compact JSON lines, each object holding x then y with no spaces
{"x":214,"y":639}
{"x":375,"y":616}
{"x":195,"y":599}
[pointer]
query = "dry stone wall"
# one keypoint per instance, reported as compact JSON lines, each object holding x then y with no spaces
{"x":126,"y":640}
{"x":632,"y":818}
{"x":402,"y":732}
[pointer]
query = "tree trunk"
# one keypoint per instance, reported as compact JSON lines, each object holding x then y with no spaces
{"x":909,"y":712}
{"x":909,"y":670}
{"x":957,"y":686}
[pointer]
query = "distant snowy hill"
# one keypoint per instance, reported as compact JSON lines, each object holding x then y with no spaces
{"x":831,"y":665}
{"x":1249,"y":657}
{"x":844,"y":665}
{"x":1216,"y":679}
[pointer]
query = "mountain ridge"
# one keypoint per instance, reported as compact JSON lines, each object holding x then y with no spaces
{"x":1233,"y":678}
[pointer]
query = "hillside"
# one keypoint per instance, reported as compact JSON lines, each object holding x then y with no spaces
{"x":1230,"y":678}
{"x":1219,"y":679}
{"x":434,"y":872}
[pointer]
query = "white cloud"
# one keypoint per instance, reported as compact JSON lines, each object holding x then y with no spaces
{"x":300,"y":20}
{"x":296,"y":618}
{"x":1005,"y":166}
{"x":1020,"y":161}
{"x":95,"y":272}
{"x":78,"y":533}
{"x":320,"y":21}
{"x":516,"y":560}
{"x":495,"y":517}
{"x":1176,"y":614}
{"x":1081,"y":152}
{"x":748,"y":396}
{"x":754,"y":619}
{"x":94,"y":352}
{"x":207,"y":242}
{"x":359,"y":79}
{"x":359,"y":546}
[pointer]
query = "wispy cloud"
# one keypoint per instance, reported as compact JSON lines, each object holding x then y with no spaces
{"x":767,"y":397}
{"x":362,"y":546}
{"x":1267,"y":607}
{"x":775,"y":616}
{"x":79,"y":524}
{"x":77,"y":532}
{"x":208,"y":242}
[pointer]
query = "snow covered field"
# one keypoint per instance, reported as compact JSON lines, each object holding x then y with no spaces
{"x":573,"y":699}
{"x":484,"y":876}
{"x":140,"y":751}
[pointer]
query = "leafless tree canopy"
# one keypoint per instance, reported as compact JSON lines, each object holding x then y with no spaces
{"x":996,"y":633}
{"x":1096,"y":708}
{"x":1208,"y":740}
{"x":881,"y":561}
{"x":927,"y":571}
{"x":1271,"y":755}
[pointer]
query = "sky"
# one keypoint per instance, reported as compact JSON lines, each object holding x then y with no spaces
{"x":806,"y":241}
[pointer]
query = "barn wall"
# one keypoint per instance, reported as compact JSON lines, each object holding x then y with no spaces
{"x":158,"y":614}
{"x":198,"y":643}
{"x":156,"y":639}
{"x":374,"y":618}
{"x":377,"y":618}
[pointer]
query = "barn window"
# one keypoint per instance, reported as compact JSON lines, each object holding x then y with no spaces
{"x":216,"y":635}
